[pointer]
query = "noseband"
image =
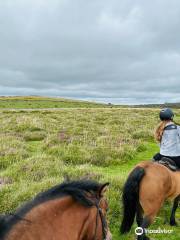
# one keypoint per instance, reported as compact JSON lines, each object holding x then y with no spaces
{"x":103,"y":222}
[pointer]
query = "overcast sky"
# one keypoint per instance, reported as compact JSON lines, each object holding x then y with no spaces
{"x":119,"y":51}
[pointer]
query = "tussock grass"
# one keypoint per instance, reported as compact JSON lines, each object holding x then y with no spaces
{"x":12,"y":149}
{"x":34,"y":136}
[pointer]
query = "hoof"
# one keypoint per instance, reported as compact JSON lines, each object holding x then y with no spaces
{"x":143,"y":238}
{"x":173,"y":223}
{"x":146,"y":238}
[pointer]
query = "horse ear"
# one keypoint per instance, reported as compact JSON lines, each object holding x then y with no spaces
{"x":103,"y":188}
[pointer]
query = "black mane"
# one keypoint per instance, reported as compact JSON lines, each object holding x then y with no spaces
{"x":76,"y":189}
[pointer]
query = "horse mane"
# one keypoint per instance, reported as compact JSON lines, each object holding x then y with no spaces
{"x":76,"y":189}
{"x":2,"y":221}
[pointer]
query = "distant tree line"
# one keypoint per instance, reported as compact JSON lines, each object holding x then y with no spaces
{"x":164,"y":105}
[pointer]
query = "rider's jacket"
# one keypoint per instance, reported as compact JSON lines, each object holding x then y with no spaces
{"x":170,"y":142}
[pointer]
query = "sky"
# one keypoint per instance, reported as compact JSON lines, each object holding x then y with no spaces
{"x":118,"y":51}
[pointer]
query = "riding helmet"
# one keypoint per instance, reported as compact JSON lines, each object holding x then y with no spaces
{"x":166,"y":114}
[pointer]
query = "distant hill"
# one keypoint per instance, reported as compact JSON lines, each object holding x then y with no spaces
{"x":39,"y":102}
{"x":31,"y":102}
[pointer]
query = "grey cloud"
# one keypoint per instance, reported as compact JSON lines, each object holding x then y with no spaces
{"x":121,"y":51}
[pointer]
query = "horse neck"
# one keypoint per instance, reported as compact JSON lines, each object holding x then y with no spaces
{"x":60,"y":217}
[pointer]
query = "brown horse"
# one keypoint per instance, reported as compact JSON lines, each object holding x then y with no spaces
{"x":146,"y":189}
{"x":70,"y":211}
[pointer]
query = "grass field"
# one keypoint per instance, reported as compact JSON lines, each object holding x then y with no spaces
{"x":38,"y":148}
{"x":45,"y":102}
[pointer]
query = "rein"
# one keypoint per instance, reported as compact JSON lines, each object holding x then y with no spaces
{"x":103,"y":222}
{"x":19,"y":218}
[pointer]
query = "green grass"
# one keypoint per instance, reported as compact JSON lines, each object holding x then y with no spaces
{"x":39,"y":148}
{"x":44,"y":102}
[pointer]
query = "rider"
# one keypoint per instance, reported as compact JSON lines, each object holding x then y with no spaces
{"x":168,"y":135}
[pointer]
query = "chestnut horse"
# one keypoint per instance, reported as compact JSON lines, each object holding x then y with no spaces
{"x":147,"y":187}
{"x":70,"y":211}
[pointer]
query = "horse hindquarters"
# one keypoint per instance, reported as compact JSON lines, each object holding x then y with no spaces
{"x":151,"y":197}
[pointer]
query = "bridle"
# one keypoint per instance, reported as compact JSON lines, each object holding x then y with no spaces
{"x":103,"y":221}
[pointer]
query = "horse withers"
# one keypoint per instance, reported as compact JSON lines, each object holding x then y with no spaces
{"x":70,"y":211}
{"x":147,"y":187}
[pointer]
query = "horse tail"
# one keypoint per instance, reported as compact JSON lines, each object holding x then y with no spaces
{"x":130,"y":198}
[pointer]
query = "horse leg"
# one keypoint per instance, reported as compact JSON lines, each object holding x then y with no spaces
{"x":151,"y":209}
{"x":147,"y":220}
{"x":175,"y":205}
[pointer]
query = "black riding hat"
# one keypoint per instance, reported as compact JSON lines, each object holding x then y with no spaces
{"x":166,"y":114}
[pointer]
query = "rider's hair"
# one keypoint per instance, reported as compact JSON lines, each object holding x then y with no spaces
{"x":160,"y":129}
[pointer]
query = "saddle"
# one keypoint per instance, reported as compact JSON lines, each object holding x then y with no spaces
{"x":167,"y":162}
